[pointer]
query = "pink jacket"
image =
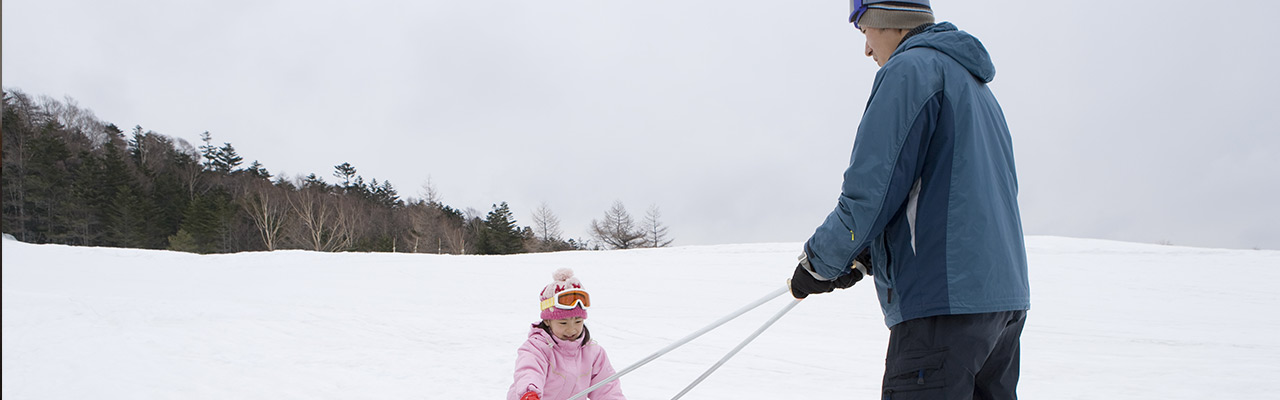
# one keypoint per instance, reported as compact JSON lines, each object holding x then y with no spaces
{"x":557,"y":370}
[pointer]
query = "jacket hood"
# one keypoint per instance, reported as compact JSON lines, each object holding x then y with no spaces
{"x":957,"y":44}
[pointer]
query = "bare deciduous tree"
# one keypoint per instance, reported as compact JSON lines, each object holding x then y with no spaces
{"x":322,"y":222}
{"x":655,"y":234}
{"x":352,"y":220}
{"x":430,"y":194}
{"x":267,"y":205}
{"x":469,"y":234}
{"x":547,"y":225}
{"x":188,"y":169}
{"x":312,"y":217}
{"x":456,"y":239}
{"x":433,"y":226}
{"x":70,"y":115}
{"x":426,"y":228}
{"x":617,"y":230}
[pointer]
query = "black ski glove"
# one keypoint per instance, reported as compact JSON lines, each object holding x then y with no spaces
{"x":803,"y":283}
{"x":863,"y":258}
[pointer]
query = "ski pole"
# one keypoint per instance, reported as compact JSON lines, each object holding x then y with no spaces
{"x":686,"y":339}
{"x":737,"y":349}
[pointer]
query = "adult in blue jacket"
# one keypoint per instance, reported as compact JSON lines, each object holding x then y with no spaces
{"x":929,"y":208}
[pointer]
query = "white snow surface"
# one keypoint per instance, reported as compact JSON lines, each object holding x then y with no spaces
{"x":1109,"y":320}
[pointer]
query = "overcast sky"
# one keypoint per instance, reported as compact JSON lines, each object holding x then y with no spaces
{"x":1147,"y":121}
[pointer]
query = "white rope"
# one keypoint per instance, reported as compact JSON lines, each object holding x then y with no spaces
{"x":686,"y":339}
{"x":737,"y":349}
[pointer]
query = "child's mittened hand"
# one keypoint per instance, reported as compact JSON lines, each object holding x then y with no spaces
{"x":530,"y":395}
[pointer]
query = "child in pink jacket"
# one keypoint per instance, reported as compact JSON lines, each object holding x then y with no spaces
{"x":560,"y":359}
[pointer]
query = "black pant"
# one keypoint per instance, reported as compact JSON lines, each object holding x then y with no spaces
{"x":954,"y":357}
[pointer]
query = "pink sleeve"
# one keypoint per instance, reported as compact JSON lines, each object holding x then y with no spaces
{"x":601,"y":369}
{"x":531,"y":371}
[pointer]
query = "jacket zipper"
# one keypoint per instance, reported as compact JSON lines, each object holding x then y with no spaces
{"x":888,"y":265}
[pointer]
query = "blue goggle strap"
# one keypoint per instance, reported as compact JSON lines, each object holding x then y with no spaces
{"x":856,"y":8}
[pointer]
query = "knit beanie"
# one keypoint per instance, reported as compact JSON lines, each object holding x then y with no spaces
{"x":563,"y":280}
{"x":896,"y":16}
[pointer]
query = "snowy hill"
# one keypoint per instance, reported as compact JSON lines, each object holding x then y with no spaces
{"x":1109,"y":320}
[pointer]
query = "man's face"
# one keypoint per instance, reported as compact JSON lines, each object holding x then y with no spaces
{"x":881,"y":42}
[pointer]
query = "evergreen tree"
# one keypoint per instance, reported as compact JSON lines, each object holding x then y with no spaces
{"x":219,"y":159}
{"x":150,"y":151}
{"x":115,"y":194}
{"x":69,"y":178}
{"x":94,"y":189}
{"x":500,"y":234}
{"x":136,"y":146}
{"x":346,"y":173}
{"x":208,"y":151}
{"x":129,"y":216}
{"x":314,"y":182}
{"x":46,"y":183}
{"x":257,"y":170}
{"x":384,"y":195}
{"x":83,"y":220}
{"x":226,"y":160}
{"x":159,"y":176}
{"x":208,"y":219}
{"x":170,"y":199}
{"x":15,"y":129}
{"x":183,"y":241}
{"x":357,"y":187}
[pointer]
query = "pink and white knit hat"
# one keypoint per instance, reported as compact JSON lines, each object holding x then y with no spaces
{"x":564,"y":280}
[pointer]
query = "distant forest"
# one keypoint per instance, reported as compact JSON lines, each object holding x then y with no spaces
{"x":69,"y":178}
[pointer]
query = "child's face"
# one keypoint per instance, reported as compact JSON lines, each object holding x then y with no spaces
{"x":568,"y":328}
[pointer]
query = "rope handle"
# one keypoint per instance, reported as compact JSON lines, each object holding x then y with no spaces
{"x":686,"y":339}
{"x":735,"y":350}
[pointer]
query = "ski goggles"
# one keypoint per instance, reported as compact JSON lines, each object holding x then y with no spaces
{"x":568,"y":299}
{"x":856,"y":9}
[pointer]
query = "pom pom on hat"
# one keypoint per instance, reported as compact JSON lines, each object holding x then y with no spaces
{"x":563,"y":279}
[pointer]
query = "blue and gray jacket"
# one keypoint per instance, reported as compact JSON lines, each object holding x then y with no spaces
{"x":931,"y":187}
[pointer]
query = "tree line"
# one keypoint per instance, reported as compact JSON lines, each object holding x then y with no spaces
{"x":70,"y":178}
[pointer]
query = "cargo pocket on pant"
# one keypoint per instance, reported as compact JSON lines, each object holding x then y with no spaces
{"x":915,"y":375}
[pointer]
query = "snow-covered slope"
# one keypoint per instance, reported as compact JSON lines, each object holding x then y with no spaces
{"x":1109,"y":320}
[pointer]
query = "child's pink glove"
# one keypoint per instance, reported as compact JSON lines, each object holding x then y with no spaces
{"x":530,"y":395}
